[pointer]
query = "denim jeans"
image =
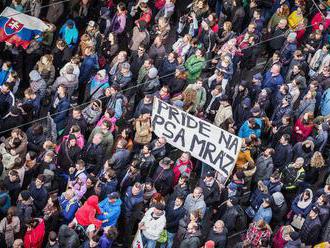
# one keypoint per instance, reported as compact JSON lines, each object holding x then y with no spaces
{"x":169,"y":242}
{"x":148,"y":243}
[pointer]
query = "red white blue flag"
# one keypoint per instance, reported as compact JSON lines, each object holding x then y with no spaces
{"x":19,"y":29}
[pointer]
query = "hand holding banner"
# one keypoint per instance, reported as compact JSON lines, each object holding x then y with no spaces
{"x":206,"y":142}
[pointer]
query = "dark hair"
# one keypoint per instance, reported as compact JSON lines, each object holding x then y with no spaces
{"x":33,"y":155}
{"x":41,"y":177}
{"x":52,"y":236}
{"x":121,"y":6}
{"x":112,"y":233}
{"x":287,"y":137}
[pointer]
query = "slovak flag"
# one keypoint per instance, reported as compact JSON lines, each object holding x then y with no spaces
{"x":19,"y":29}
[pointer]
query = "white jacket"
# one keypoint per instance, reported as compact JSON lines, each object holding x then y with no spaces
{"x":154,"y":227}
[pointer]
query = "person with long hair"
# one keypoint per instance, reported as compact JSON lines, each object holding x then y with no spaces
{"x":10,"y":226}
{"x":303,"y":127}
{"x":281,"y":13}
{"x":51,"y":214}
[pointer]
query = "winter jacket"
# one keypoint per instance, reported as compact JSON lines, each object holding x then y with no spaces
{"x":191,"y":240}
{"x":104,"y":242}
{"x":325,"y":103}
{"x":194,"y":65}
{"x":119,"y":160}
{"x":68,"y":238}
{"x":118,"y":23}
{"x":39,"y":196}
{"x":211,"y":193}
{"x":91,"y":115}
{"x":70,"y":81}
{"x":166,"y":70}
{"x":173,"y":216}
{"x":93,"y":155}
{"x":293,"y":244}
{"x":70,"y":36}
{"x":131,"y":202}
{"x":305,"y":106}
{"x":224,"y":113}
{"x":292,"y":177}
{"x":153,"y":226}
{"x":282,"y":155}
{"x":33,"y":238}
{"x":138,"y":38}
{"x":182,"y":168}
{"x":110,"y":212}
{"x":272,"y":82}
{"x":263,"y":214}
{"x":191,"y":204}
{"x":163,"y":180}
{"x":68,"y":208}
{"x":310,"y":231}
{"x":305,"y":129}
{"x":157,"y":54}
{"x":24,"y":211}
{"x":143,"y":132}
{"x":88,"y":67}
{"x":5,"y":202}
{"x":220,"y":239}
{"x":6,"y":102}
{"x":97,"y":86}
{"x":245,"y":131}
{"x":264,"y":167}
{"x":67,"y":156}
{"x":300,"y":150}
{"x":39,"y":87}
{"x":279,"y":112}
{"x":86,"y":214}
{"x":107,"y":140}
{"x":287,"y":51}
{"x":62,"y":112}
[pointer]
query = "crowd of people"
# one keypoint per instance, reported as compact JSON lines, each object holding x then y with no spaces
{"x":80,"y":165}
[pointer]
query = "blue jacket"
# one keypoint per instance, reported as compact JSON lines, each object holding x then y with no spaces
{"x":70,"y":36}
{"x":39,"y":196}
{"x":104,"y":242}
{"x":272,"y":82}
{"x":263,"y":213}
{"x":302,"y":211}
{"x":5,"y":202}
{"x":287,"y":52}
{"x":130,"y":201}
{"x":325,"y":103}
{"x":108,"y":188}
{"x":88,"y":67}
{"x":245,"y":131}
{"x":4,"y":75}
{"x":68,"y":208}
{"x":110,"y":211}
{"x":60,"y":118}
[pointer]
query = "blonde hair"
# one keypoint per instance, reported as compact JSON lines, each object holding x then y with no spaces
{"x":317,"y":160}
{"x":45,"y":67}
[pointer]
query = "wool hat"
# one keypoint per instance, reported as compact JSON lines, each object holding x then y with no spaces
{"x":34,"y":75}
{"x":278,"y":198}
{"x":153,"y":72}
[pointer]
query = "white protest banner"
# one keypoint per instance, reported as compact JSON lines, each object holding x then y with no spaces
{"x":206,"y":142}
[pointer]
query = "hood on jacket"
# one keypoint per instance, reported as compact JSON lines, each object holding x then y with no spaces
{"x":93,"y":202}
{"x":70,"y":77}
{"x":70,"y":21}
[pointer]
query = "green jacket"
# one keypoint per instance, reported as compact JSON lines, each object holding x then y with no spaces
{"x":194,"y":65}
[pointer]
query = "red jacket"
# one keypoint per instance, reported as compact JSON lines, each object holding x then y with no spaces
{"x":317,"y":20}
{"x":86,"y":214}
{"x":305,"y":129}
{"x":34,"y":238}
{"x":182,"y":168}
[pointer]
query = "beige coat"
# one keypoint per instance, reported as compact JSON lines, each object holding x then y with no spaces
{"x":143,"y":132}
{"x":223,"y":114}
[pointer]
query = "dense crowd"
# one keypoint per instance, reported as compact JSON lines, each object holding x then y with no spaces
{"x":81,"y":167}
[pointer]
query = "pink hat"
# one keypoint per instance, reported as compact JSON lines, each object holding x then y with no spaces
{"x":209,"y":244}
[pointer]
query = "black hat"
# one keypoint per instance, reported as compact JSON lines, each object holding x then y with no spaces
{"x":25,"y":194}
{"x":210,"y":174}
{"x":316,"y":210}
{"x":255,"y":110}
{"x":223,"y":98}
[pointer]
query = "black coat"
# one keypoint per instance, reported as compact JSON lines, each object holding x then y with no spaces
{"x":173,"y":217}
{"x":310,"y":231}
{"x":93,"y":155}
{"x":211,"y":194}
{"x":81,"y":122}
{"x":220,"y":239}
{"x":163,"y":180}
{"x":67,"y":157}
{"x":282,"y":156}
